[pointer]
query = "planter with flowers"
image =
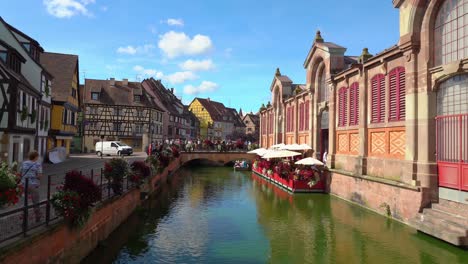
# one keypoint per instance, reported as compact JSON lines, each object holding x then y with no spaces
{"x":115,"y":171}
{"x":154,"y":162}
{"x":75,"y":198}
{"x":10,"y":187}
{"x":140,"y":171}
{"x":270,"y":173}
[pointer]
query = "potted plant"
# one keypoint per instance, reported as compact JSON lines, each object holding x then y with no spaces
{"x":10,"y":187}
{"x":140,"y":171}
{"x":33,"y":116}
{"x":24,"y":113}
{"x":154,"y":161}
{"x":75,"y":198}
{"x":115,"y":171}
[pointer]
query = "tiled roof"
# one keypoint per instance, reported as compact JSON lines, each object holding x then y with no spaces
{"x":254,"y":118}
{"x":165,"y":98}
{"x":117,"y":94}
{"x":62,"y":67}
{"x":284,"y":78}
{"x":236,"y":119}
{"x":215,"y":109}
{"x":331,"y":45}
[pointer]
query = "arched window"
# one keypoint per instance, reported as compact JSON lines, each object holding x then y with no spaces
{"x":397,"y":92}
{"x":452,"y":96}
{"x":323,"y":90}
{"x":354,"y":104}
{"x":342,"y":106}
{"x":378,"y":98}
{"x":450,"y":32}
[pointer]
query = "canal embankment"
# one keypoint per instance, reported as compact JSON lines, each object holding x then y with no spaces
{"x":58,"y":243}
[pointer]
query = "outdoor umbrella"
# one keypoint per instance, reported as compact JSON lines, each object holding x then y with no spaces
{"x":259,"y":151}
{"x":309,"y":161}
{"x":292,"y":147}
{"x":280,"y":154}
{"x":277,"y":146}
{"x":305,"y":147}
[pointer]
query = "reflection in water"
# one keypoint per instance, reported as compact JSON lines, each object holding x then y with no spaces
{"x":214,"y":215}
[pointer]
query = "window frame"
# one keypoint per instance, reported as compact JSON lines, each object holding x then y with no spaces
{"x":378,"y":104}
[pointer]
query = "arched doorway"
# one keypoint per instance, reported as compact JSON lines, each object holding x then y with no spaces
{"x":323,"y":134}
{"x":452,"y":133}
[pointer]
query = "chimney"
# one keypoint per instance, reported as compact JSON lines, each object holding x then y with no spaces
{"x":208,"y":99}
{"x":125,"y":82}
{"x":112,"y":81}
{"x":172,"y":90}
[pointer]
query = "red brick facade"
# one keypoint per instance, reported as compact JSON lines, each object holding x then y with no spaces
{"x":376,"y":115}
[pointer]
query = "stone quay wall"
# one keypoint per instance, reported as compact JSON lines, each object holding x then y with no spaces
{"x":60,"y":244}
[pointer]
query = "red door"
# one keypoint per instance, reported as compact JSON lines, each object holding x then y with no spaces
{"x":452,"y":151}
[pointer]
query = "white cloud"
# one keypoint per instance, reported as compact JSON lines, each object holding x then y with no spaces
{"x":131,"y":50}
{"x":204,"y":87}
{"x":175,"y":44}
{"x":67,"y":8}
{"x":194,"y":65}
{"x":180,"y":77}
{"x":148,"y":72}
{"x":175,"y":22}
{"x":127,"y":50}
{"x":175,"y":78}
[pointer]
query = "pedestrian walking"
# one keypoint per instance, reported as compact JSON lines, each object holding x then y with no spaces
{"x":31,"y":170}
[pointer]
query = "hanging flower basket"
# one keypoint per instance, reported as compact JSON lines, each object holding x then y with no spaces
{"x":75,"y":199}
{"x":10,"y":187}
{"x":115,"y":171}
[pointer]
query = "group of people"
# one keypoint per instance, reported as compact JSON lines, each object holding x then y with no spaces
{"x":241,"y":164}
{"x":197,"y":145}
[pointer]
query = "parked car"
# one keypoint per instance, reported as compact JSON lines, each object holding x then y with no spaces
{"x":113,"y":148}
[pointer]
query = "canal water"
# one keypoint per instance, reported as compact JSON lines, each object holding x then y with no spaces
{"x":215,"y":215}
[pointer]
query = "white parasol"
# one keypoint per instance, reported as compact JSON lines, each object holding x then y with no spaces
{"x":277,"y":146}
{"x":280,"y":154}
{"x":309,"y":161}
{"x":305,"y":147}
{"x":292,"y":147}
{"x":259,"y":151}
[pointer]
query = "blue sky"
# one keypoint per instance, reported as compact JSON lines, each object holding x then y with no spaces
{"x":223,"y":49}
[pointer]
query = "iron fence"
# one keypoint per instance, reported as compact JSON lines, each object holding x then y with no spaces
{"x":19,"y":220}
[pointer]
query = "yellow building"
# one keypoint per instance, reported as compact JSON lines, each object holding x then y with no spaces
{"x":216,"y":121}
{"x":65,"y":98}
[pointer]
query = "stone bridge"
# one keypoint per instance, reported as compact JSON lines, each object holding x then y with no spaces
{"x":219,"y":157}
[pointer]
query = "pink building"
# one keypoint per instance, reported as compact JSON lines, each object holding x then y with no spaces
{"x":394,"y":124}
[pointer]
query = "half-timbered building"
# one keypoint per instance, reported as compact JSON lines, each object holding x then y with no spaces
{"x":25,"y":95}
{"x":394,"y":125}
{"x":120,"y":110}
{"x":65,"y":98}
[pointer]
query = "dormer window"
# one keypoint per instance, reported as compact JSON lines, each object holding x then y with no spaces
{"x":15,"y":63}
{"x":27,"y":46}
{"x":137,"y":98}
{"x":3,"y":55}
{"x":94,"y":96}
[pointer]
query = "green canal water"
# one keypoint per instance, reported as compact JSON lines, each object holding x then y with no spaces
{"x":215,"y":215}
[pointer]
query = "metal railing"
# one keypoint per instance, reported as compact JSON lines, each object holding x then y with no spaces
{"x":18,"y":222}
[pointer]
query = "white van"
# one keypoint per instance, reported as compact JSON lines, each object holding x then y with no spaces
{"x":113,"y":148}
